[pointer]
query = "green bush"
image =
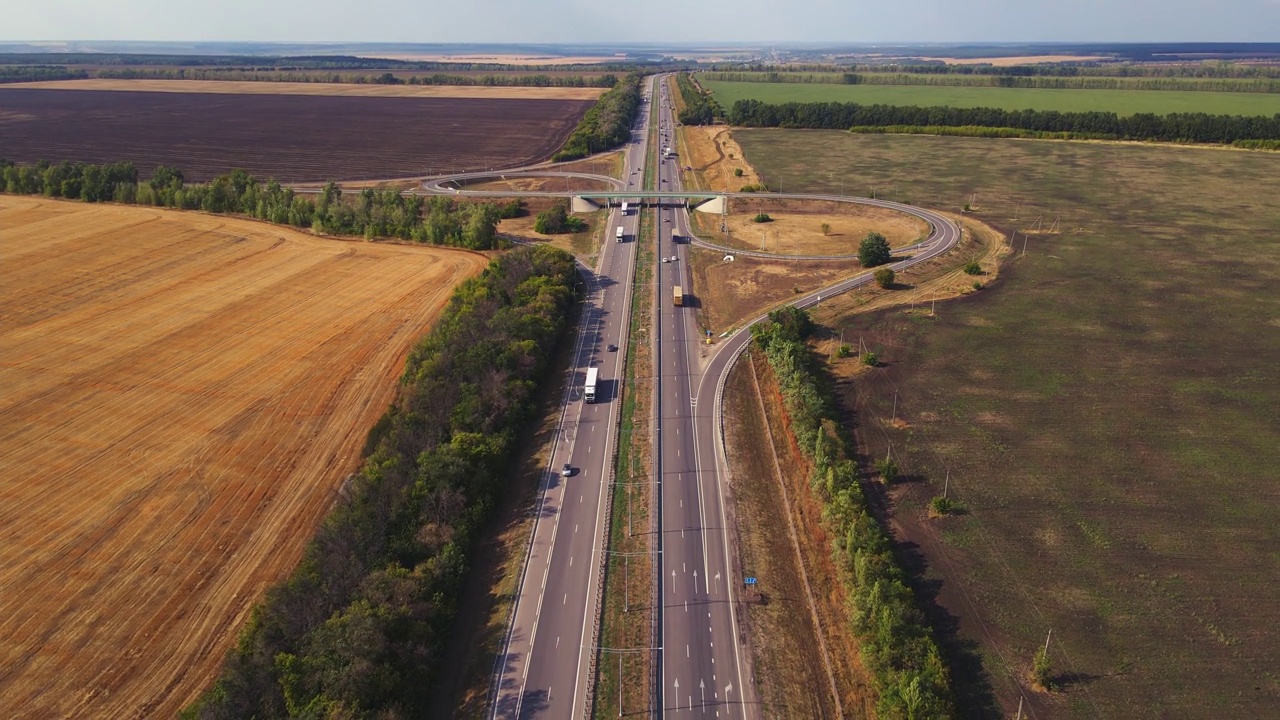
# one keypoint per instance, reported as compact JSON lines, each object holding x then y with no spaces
{"x":884,"y":277}
{"x":737,"y":172}
{"x":870,"y":359}
{"x":888,"y":470}
{"x":844,"y":351}
{"x":874,"y":250}
{"x":977,"y":285}
{"x":826,"y":228}
{"x":762,"y":218}
{"x":941,"y":505}
{"x":972,"y":268}
{"x":754,"y":187}
{"x":1042,"y":671}
{"x":556,"y":220}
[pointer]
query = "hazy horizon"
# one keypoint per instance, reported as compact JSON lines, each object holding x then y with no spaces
{"x":662,"y":21}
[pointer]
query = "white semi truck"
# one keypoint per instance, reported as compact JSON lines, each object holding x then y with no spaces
{"x":589,"y":392}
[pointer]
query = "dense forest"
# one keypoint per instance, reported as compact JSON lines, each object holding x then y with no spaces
{"x":1071,"y":69}
{"x":898,"y":647}
{"x":38,"y":73}
{"x":607,"y":124}
{"x":1176,"y":127}
{"x":359,"y":628}
{"x":1073,"y":81}
{"x":371,"y":213}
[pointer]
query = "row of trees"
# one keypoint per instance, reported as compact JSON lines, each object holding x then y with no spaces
{"x":371,"y":213}
{"x":607,"y":124}
{"x":1175,"y":127}
{"x":1062,"y":82}
{"x":386,"y":78}
{"x":897,"y":644}
{"x":38,"y":73}
{"x":556,"y":220}
{"x":700,"y":108}
{"x":360,"y":628}
{"x":1092,"y":69}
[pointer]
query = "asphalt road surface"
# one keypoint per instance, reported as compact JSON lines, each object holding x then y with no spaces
{"x":543,"y":669}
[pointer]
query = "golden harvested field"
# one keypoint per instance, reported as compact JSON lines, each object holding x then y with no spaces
{"x":181,"y":396}
{"x":236,"y":87}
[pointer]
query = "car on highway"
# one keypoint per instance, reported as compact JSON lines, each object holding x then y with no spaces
{"x":567,"y":470}
{"x":674,"y":258}
{"x":612,"y":347}
{"x":665,"y":260}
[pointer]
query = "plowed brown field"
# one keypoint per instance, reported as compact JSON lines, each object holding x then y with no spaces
{"x":181,"y":396}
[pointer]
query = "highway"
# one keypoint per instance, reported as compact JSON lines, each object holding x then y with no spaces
{"x":543,"y":668}
{"x":702,"y":670}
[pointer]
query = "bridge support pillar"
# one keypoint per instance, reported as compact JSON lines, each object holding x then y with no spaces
{"x":717,"y":205}
{"x":580,"y":204}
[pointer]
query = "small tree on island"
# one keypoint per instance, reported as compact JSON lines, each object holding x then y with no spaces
{"x":826,"y":228}
{"x":874,"y":250}
{"x":884,"y":278}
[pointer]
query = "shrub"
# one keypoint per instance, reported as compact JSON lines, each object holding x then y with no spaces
{"x":556,"y":220}
{"x":941,"y":505}
{"x":737,"y":172}
{"x":884,"y":277}
{"x":1041,"y":671}
{"x":972,"y":268}
{"x":844,"y":351}
{"x":968,"y":207}
{"x":826,"y":228}
{"x":754,"y":187}
{"x":762,"y":218}
{"x":870,"y":359}
{"x":874,"y":250}
{"x":977,"y":285}
{"x":888,"y":469}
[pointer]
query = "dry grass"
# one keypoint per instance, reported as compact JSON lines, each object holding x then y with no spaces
{"x":714,"y":156}
{"x":796,"y":226}
{"x":235,"y":87}
{"x":181,"y":396}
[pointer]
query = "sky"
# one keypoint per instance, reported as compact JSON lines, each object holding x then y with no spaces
{"x":662,"y":21}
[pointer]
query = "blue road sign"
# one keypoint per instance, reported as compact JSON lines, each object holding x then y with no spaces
{"x":750,"y":581}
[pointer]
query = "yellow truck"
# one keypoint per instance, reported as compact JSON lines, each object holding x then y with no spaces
{"x":678,"y":296}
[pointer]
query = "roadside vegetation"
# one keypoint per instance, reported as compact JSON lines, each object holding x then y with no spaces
{"x":359,"y":628}
{"x":607,"y":124}
{"x":1103,"y":409}
{"x":370,"y":213}
{"x":896,"y":643}
{"x":699,"y":107}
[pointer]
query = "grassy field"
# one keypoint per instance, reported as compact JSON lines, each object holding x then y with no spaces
{"x":1106,"y":410}
{"x":1122,"y":102}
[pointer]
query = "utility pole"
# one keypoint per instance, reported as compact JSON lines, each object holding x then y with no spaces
{"x":1016,"y":208}
{"x":895,"y":407}
{"x":1019,"y":709}
{"x":1025,"y":236}
{"x":1046,"y":642}
{"x":1055,"y":224}
{"x":946,"y":485}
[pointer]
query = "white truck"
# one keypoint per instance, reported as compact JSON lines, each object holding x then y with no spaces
{"x":624,"y":208}
{"x":589,"y":392}
{"x":619,"y":233}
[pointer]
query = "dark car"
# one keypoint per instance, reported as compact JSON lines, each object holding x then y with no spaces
{"x":612,"y":347}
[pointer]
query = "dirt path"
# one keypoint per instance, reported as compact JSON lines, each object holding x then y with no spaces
{"x":180,"y":397}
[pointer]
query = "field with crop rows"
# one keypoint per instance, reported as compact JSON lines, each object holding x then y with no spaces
{"x":181,"y":397}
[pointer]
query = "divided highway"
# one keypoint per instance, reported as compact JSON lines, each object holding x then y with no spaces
{"x":703,"y":670}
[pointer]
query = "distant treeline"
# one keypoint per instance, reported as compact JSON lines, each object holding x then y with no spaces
{"x":1176,"y":127}
{"x":700,"y":108}
{"x":38,"y":73}
{"x":371,"y":213}
{"x":895,"y":640}
{"x":1082,"y":69}
{"x":607,"y":124}
{"x":314,"y":62}
{"x":1071,"y":82}
{"x":359,"y":629}
{"x":387,"y":78}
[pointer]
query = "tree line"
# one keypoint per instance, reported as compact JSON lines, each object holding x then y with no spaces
{"x":1059,"y":82}
{"x":897,"y":644}
{"x":38,"y":73}
{"x":1175,"y":127}
{"x":700,"y":108}
{"x":607,"y":124}
{"x":387,"y":78}
{"x":1094,"y":69}
{"x":371,"y":213}
{"x":360,"y":628}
